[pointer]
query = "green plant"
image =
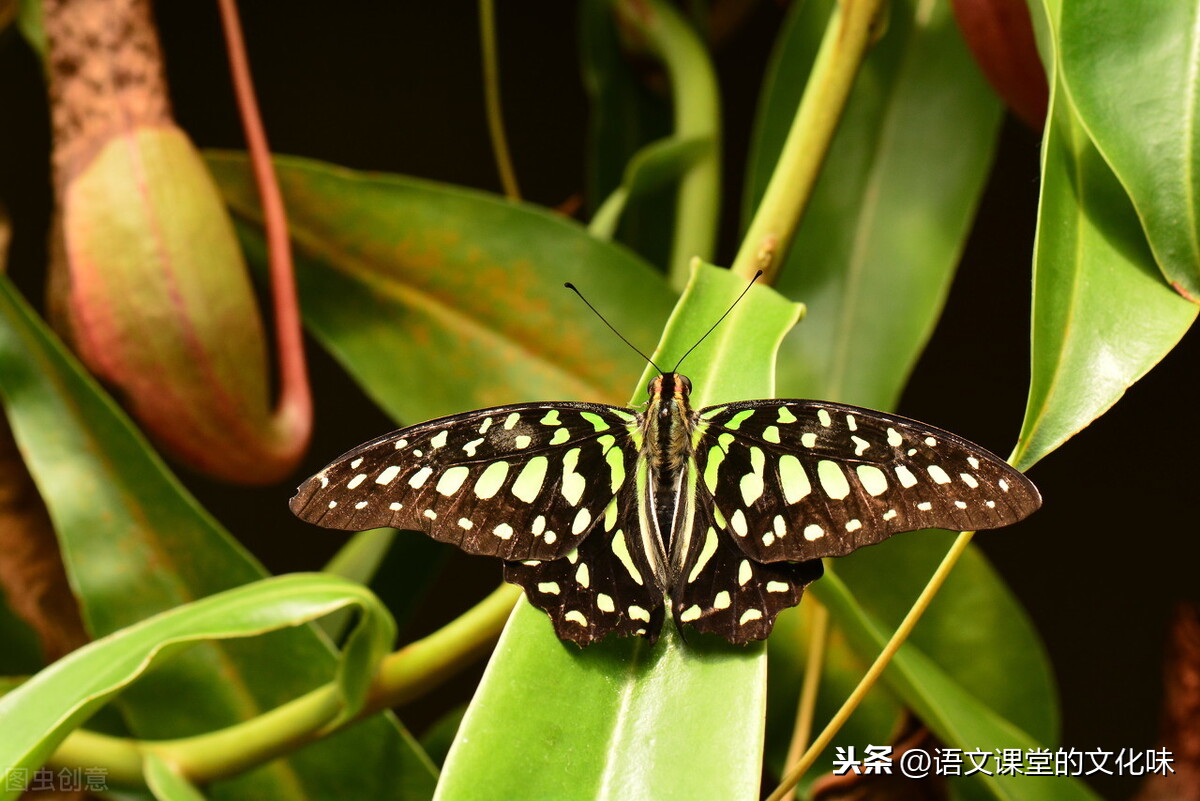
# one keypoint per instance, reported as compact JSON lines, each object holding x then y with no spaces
{"x":436,"y":299}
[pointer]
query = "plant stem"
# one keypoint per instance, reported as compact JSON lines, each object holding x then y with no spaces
{"x":795,"y":772}
{"x":293,"y":418}
{"x":818,"y":637}
{"x":402,"y":676}
{"x":697,"y":116}
{"x":849,"y":33}
{"x":491,"y":93}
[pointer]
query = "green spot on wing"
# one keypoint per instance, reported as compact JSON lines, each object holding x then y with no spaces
{"x":621,"y":550}
{"x":736,"y":421}
{"x":715,"y":457}
{"x":529,"y":482}
{"x":596,"y":420}
{"x":616,"y":463}
{"x":793,"y":478}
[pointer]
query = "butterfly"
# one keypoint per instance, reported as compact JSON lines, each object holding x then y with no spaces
{"x":608,"y":516}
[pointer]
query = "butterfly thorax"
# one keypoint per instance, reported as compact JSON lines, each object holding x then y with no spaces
{"x":667,"y":444}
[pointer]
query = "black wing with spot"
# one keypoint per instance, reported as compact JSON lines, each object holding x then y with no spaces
{"x":796,"y":480}
{"x":721,"y":590}
{"x":519,"y":482}
{"x":606,"y":586}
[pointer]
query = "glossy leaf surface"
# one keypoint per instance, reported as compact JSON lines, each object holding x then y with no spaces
{"x":1102,"y":316}
{"x":439,"y":299}
{"x":1132,"y":71}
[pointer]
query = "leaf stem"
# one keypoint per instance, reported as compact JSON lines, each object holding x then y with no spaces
{"x":491,"y":93}
{"x":795,"y":772}
{"x":697,"y":116}
{"x":850,"y":32}
{"x":292,"y":426}
{"x":818,"y":637}
{"x":401,"y":677}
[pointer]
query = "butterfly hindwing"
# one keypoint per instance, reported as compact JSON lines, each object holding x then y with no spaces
{"x":605,"y":586}
{"x":800,"y":480}
{"x":720,"y":590}
{"x":519,"y":482}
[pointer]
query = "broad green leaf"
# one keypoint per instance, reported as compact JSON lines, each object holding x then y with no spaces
{"x":135,"y":544}
{"x":1132,"y":71}
{"x":1012,"y":683}
{"x":438,"y":299}
{"x":878,"y":245}
{"x":620,"y":719}
{"x":44,"y":710}
{"x":949,"y":710}
{"x":1102,"y":316}
{"x":975,"y":630}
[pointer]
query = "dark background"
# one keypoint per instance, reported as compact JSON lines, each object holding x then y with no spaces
{"x":396,"y":88}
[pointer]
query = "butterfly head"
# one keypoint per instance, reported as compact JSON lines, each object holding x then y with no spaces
{"x":669,"y":391}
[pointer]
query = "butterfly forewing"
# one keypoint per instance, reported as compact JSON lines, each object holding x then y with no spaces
{"x":800,"y":480}
{"x":523,"y":482}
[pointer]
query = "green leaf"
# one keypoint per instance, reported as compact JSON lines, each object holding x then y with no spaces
{"x":135,"y":544}
{"x":975,"y":630}
{"x":438,"y":299}
{"x":620,"y":719}
{"x":882,"y":235}
{"x":996,"y":663}
{"x":949,"y":710}
{"x":44,"y":710}
{"x":1102,"y":316}
{"x":1132,"y":73}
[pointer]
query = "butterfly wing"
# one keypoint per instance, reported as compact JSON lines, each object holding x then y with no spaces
{"x":797,"y":480}
{"x":717,"y":588}
{"x":606,"y":585}
{"x":523,"y":482}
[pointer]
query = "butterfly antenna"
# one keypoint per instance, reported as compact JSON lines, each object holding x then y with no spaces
{"x":718,"y":322}
{"x":571,"y":287}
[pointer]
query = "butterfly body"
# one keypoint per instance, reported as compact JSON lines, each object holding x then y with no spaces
{"x":607,"y":517}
